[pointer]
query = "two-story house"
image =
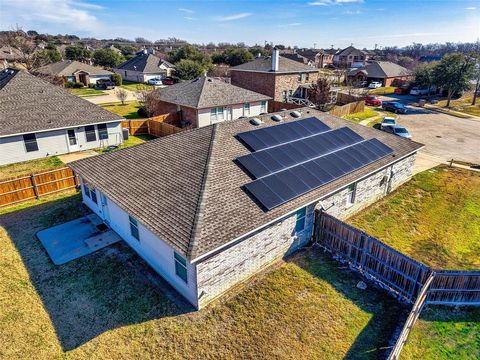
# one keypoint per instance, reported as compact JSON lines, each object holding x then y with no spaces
{"x":276,"y":76}
{"x":143,"y":67}
{"x":204,"y":101}
{"x":350,"y":57}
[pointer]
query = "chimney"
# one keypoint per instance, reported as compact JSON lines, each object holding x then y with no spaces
{"x":275,"y":59}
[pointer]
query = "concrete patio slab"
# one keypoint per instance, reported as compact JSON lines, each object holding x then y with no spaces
{"x":76,"y":238}
{"x":66,"y":158}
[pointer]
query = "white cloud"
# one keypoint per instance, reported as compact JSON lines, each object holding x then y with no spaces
{"x":189,"y":18}
{"x":188,"y":11}
{"x":76,"y":15}
{"x":233,"y":17}
{"x":352,"y":12}
{"x":471,"y":8}
{"x":333,"y":2}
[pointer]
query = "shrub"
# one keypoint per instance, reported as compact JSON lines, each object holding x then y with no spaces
{"x":117,"y":79}
{"x":142,"y":112}
{"x":78,"y":85}
{"x":69,"y":84}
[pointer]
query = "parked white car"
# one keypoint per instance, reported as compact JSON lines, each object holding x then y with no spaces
{"x":418,"y":91}
{"x":374,"y":85}
{"x":155,"y":82}
{"x":388,"y":121}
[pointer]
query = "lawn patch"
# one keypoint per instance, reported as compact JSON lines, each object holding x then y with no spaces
{"x":86,"y":91}
{"x":28,"y":167}
{"x":363,"y":115}
{"x":128,"y":110}
{"x":463,"y":105}
{"x":137,"y":87}
{"x":385,"y":90}
{"x":132,"y":140}
{"x":105,"y":305}
{"x":434,"y":218}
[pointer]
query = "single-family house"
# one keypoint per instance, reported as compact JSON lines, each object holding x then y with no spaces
{"x":9,"y":56}
{"x":385,"y":72}
{"x":38,"y":119}
{"x":210,"y":207}
{"x":75,"y":71}
{"x":349,"y":57}
{"x":204,"y":101}
{"x":314,"y":57}
{"x":143,"y":67}
{"x":282,"y":79}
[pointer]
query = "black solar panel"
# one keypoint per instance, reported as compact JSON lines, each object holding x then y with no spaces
{"x":268,"y":161}
{"x":280,"y":187}
{"x":271,"y":136}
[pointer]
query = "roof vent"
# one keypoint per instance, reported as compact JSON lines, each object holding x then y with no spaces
{"x":276,"y":117}
{"x":283,"y":109}
{"x":256,"y":121}
{"x":295,"y":114}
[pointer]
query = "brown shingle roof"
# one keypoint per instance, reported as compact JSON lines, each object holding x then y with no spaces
{"x":264,"y":64}
{"x":206,"y":92}
{"x":382,"y":69}
{"x":68,"y":67}
{"x":30,"y":104}
{"x":187,"y":189}
{"x":145,"y":63}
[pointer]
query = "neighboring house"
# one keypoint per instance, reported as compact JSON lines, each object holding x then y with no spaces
{"x":143,"y":67}
{"x":38,"y":119}
{"x":75,"y":71}
{"x":203,"y":222}
{"x":350,"y":57}
{"x":314,"y":57}
{"x":205,"y":101}
{"x":282,"y":79}
{"x":386,"y":72}
{"x":297,"y":57}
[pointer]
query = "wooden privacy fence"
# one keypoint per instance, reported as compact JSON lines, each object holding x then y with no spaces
{"x":348,"y":109}
{"x":36,"y":185}
{"x":399,"y":274}
{"x":161,"y":125}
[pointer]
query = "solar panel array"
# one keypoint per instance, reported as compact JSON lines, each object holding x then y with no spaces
{"x":287,"y":166}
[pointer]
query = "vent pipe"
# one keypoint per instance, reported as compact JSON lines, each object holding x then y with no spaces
{"x":275,"y":57}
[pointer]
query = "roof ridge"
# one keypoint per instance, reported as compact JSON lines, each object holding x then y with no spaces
{"x":204,"y":79}
{"x":199,"y":211}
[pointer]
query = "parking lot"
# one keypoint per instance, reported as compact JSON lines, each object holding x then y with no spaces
{"x":445,"y":136}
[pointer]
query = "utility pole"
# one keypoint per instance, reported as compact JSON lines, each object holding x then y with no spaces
{"x":314,"y":46}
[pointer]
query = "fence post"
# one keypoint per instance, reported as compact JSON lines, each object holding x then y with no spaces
{"x":34,"y":184}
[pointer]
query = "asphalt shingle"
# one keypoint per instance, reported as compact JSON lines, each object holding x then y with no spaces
{"x":264,"y":64}
{"x":68,"y":67}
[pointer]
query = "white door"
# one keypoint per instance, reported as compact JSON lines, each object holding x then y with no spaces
{"x":106,"y":214}
{"x":72,"y":140}
{"x":230,"y":113}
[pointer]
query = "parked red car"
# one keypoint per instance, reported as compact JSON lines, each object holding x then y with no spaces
{"x":402,"y":90}
{"x":373,"y":101}
{"x":168,"y":81}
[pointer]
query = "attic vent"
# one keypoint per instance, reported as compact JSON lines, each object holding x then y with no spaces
{"x":276,"y":117}
{"x":256,"y":121}
{"x":295,"y":114}
{"x":209,"y":80}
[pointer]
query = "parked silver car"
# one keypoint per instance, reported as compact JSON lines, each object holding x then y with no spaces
{"x":397,"y":130}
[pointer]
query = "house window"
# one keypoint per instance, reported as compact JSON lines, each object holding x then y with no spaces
{"x":180,"y":267}
{"x":284,"y":95}
{"x":299,"y":77}
{"x":30,"y":141}
{"x":351,"y":190}
{"x":290,"y":93}
{"x":102,"y":131}
{"x":216,"y":113}
{"x":307,"y":76}
{"x":90,"y":133}
{"x":89,"y":191}
{"x":134,"y":228}
{"x":246,"y":109}
{"x":300,"y":224}
{"x":263,"y":107}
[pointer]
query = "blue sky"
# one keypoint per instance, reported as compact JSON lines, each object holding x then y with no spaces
{"x":304,"y":23}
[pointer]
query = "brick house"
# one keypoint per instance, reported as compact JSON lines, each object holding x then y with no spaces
{"x":314,"y":57}
{"x":204,"y":101}
{"x":386,"y":72}
{"x":276,"y":76}
{"x":349,"y":57}
{"x":196,"y":216}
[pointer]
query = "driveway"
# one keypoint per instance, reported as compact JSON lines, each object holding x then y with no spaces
{"x":110,"y":97}
{"x":445,"y":137}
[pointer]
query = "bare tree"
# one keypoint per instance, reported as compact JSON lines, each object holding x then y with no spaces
{"x":26,"y":48}
{"x":122,"y":95}
{"x":320,"y":93}
{"x":148,"y":102}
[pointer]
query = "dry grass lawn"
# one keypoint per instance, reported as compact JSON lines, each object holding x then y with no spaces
{"x":434,"y":218}
{"x":28,"y":167}
{"x":464,"y":105}
{"x":110,"y":305}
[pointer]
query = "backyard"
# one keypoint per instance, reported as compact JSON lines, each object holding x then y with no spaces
{"x":111,"y":305}
{"x":28,"y":167}
{"x":434,"y":218}
{"x":128,"y":110}
{"x":132,"y":140}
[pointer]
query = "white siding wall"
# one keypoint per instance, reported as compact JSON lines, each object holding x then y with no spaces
{"x":55,"y":142}
{"x":138,"y":76}
{"x":93,"y":79}
{"x":255,"y":110}
{"x":158,"y":254}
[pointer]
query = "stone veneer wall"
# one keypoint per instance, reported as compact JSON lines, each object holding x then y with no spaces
{"x":234,"y":265}
{"x":222,"y":271}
